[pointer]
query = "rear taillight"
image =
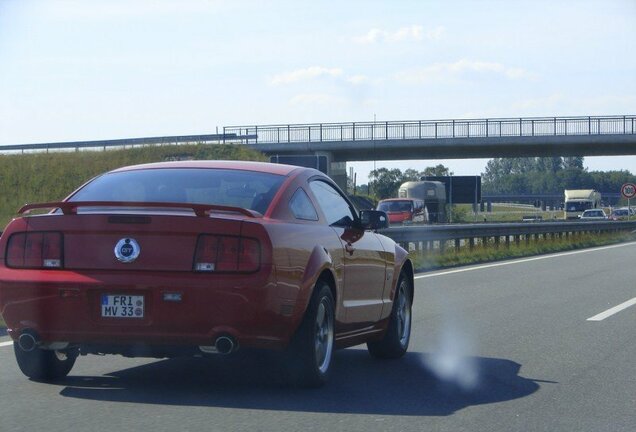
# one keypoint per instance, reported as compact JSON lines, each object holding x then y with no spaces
{"x":35,"y":250}
{"x":215,"y":253}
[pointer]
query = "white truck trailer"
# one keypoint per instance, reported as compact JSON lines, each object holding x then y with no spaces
{"x":579,"y":200}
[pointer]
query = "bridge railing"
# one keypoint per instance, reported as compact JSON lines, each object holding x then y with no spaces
{"x":426,"y":129}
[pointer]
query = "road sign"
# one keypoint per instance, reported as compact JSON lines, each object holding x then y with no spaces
{"x":628,"y":190}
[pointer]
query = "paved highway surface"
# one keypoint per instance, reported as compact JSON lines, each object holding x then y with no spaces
{"x":503,"y":347}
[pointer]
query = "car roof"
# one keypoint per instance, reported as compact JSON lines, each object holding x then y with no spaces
{"x":264,"y":167}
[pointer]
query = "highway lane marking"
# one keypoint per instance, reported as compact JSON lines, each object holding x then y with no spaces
{"x":612,"y":311}
{"x":523,"y":260}
{"x":4,"y":344}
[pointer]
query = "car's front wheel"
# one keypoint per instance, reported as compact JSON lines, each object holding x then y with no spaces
{"x":395,"y":342}
{"x":40,"y":364}
{"x":312,"y":347}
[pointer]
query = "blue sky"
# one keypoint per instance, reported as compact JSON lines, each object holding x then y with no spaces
{"x":83,"y":70}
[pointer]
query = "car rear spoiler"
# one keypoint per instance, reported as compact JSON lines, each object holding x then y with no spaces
{"x":201,"y":210}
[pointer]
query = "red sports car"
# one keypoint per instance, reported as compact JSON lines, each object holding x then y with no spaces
{"x":198,"y":258}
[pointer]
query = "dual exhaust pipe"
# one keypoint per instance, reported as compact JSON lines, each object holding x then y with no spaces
{"x":29,"y":341}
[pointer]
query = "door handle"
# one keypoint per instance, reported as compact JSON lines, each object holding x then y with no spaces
{"x":349,"y":248}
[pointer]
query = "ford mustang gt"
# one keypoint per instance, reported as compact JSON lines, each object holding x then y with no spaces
{"x":203,"y":258}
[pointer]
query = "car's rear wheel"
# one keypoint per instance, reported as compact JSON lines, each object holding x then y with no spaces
{"x":310,"y":354}
{"x":40,"y":364}
{"x":395,"y":342}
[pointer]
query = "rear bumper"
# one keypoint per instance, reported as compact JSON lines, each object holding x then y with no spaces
{"x":65,"y":306}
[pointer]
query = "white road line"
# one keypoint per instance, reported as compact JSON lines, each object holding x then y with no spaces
{"x":4,"y":344}
{"x":524,"y":260}
{"x":616,"y":309}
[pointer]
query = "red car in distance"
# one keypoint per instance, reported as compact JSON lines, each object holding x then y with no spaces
{"x":203,"y":258}
{"x":404,"y":210}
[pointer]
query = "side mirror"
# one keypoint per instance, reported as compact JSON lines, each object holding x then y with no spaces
{"x":374,"y":219}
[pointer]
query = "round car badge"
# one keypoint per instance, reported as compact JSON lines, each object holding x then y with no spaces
{"x":127,"y":250}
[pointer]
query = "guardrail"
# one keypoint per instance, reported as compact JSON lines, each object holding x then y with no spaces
{"x":434,"y":129}
{"x":429,"y":237}
{"x":127,"y":142}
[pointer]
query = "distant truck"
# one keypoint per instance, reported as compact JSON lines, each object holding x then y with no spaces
{"x":404,"y":210}
{"x":579,"y":200}
{"x":433,"y":193}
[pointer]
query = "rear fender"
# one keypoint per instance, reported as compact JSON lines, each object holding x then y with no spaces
{"x":402,"y":265}
{"x":319,"y":262}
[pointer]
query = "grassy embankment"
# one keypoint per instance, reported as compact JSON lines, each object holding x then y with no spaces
{"x":41,"y":177}
{"x":504,"y":213}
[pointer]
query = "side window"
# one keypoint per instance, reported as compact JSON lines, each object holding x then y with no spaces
{"x":333,"y":205}
{"x":301,"y":206}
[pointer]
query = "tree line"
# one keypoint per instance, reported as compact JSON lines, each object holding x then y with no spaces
{"x":535,"y":176}
{"x":384,"y":182}
{"x":548,"y":175}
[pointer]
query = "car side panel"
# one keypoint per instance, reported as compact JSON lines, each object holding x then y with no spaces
{"x":365,"y":276}
{"x":302,"y":252}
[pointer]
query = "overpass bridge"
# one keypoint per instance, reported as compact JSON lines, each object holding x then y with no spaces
{"x":403,"y":140}
{"x":448,"y":139}
{"x":444,"y":139}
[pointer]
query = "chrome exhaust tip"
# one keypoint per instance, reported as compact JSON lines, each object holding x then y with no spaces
{"x":225,"y":344}
{"x":28,"y":341}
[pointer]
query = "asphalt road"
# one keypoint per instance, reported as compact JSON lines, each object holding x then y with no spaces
{"x":503,"y":347}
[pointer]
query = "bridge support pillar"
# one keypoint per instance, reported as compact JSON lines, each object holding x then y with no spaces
{"x":336,"y":170}
{"x":338,"y":173}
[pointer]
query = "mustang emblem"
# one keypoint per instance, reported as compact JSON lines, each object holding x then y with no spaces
{"x":127,"y":250}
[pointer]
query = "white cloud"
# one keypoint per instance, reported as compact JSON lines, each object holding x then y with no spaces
{"x":314,"y":72}
{"x":317,"y":99}
{"x":544,"y":103}
{"x":305,"y":74}
{"x":359,"y":79}
{"x":597,"y":104}
{"x":413,"y":33}
{"x":440,"y":71}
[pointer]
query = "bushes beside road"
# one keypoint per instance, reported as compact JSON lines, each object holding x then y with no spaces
{"x":481,"y":253}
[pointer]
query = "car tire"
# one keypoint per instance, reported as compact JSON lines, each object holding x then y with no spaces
{"x":395,"y":342}
{"x":310,"y":354}
{"x":44,"y":365}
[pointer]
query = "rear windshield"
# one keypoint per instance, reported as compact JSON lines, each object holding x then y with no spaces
{"x":577,"y":206}
{"x":594,"y":213}
{"x":396,"y":206}
{"x":245,"y":189}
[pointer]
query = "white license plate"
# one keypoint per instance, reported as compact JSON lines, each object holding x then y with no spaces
{"x":122,"y":306}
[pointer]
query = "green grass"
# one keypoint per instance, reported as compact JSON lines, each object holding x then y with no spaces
{"x":2,"y":323}
{"x":487,"y":253}
{"x":41,"y":177}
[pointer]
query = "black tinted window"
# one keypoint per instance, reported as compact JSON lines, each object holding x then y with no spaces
{"x":333,"y":205}
{"x":245,"y":189}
